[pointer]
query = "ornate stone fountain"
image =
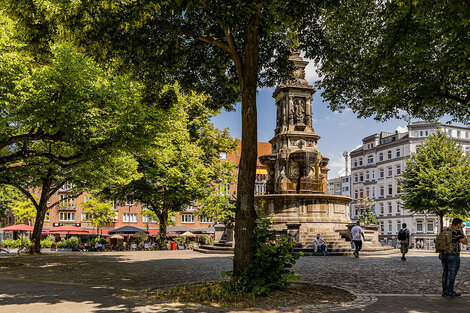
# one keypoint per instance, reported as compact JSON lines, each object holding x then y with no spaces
{"x":295,"y":188}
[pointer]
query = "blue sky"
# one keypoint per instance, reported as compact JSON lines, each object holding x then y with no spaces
{"x":339,"y":132}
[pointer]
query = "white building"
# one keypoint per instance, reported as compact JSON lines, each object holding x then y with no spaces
{"x":340,"y":186}
{"x":375,"y":167}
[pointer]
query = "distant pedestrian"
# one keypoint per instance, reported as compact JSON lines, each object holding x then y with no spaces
{"x":448,"y":246}
{"x":357,"y":236}
{"x":404,"y":238}
{"x":319,"y":242}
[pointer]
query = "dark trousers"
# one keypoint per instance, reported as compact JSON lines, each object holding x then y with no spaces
{"x":450,"y":265}
{"x":358,"y":245}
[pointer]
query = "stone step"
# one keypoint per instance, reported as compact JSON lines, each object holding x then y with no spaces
{"x":222,"y":248}
{"x":208,"y":251}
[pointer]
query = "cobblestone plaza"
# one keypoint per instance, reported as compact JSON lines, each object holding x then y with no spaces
{"x":87,"y":282}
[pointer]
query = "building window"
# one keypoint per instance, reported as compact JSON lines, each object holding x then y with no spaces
{"x":147,"y":219}
{"x":373,"y":192}
{"x":86,"y":217}
{"x":390,"y":190}
{"x":381,"y":156}
{"x":389,"y":172}
{"x":398,"y":153}
{"x":367,"y":175}
{"x":356,"y":178}
{"x":367,"y":192}
{"x":398,"y":189}
{"x":223,"y":155}
{"x":449,"y":132}
{"x":372,"y":174}
{"x":206,"y":220}
{"x":129,"y":202}
{"x":67,"y":216}
{"x":419,"y":226}
{"x":389,"y":227}
{"x":430,"y":228}
{"x":361,"y":177}
{"x":398,"y":208}
{"x":355,"y":163}
{"x":390,"y":209}
{"x":129,"y":218}
{"x":381,"y":207}
{"x":398,"y":225}
{"x":187,"y":218}
{"x":361,"y":193}
{"x":382,"y":227}
{"x":370,"y":159}
{"x":458,"y":134}
{"x":47,"y":217}
{"x":66,"y":201}
{"x":382,"y":191}
{"x":421,"y":133}
{"x":426,"y":133}
{"x":381,"y":173}
{"x":355,"y":194}
{"x":398,"y":170}
{"x":360,"y":161}
{"x":389,"y":154}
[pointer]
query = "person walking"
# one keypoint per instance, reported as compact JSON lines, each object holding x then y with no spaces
{"x":404,"y":237}
{"x":448,"y":246}
{"x":357,"y":236}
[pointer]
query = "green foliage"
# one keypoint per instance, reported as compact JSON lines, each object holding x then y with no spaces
{"x":393,"y":58}
{"x":24,"y":212}
{"x":8,"y":196}
{"x":100,"y":213}
{"x":368,"y":218}
{"x":92,"y":241}
{"x":180,"y":240}
{"x":10,"y":243}
{"x":437,"y":178}
{"x":272,"y":266}
{"x":73,"y":242}
{"x":206,"y":239}
{"x":102,"y":241}
{"x":24,"y":240}
{"x":48,"y":242}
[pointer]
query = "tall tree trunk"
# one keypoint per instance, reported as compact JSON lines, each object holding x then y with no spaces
{"x":245,"y":214}
{"x":162,"y":219}
{"x":41,"y":210}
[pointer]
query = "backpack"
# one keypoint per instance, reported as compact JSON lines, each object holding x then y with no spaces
{"x":444,"y":242}
{"x":402,"y":234}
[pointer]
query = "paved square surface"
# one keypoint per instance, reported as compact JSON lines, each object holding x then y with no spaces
{"x":97,"y":282}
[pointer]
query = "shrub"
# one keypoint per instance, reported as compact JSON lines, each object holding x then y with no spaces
{"x":92,"y":241}
{"x":102,"y":240}
{"x":61,"y":244}
{"x":10,"y":244}
{"x":47,"y":243}
{"x":73,"y":242}
{"x":23,"y":240}
{"x":272,"y":266}
{"x":180,"y":240}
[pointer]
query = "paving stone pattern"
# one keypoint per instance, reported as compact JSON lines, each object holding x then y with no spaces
{"x":88,"y":282}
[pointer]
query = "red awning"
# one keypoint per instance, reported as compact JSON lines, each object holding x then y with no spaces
{"x":19,"y":227}
{"x":69,"y":229}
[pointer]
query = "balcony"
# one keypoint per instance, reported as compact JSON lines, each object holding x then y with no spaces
{"x":67,"y":207}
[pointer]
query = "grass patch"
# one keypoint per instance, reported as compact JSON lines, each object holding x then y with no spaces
{"x":215,"y":293}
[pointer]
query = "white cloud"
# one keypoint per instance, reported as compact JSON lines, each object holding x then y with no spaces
{"x":402,"y":129}
{"x":337,"y":166}
{"x":311,"y":74}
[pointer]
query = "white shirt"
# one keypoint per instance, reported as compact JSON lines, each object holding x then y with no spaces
{"x":318,"y":241}
{"x":356,"y":232}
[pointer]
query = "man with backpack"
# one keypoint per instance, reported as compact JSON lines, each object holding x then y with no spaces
{"x":404,"y":237}
{"x":448,"y":246}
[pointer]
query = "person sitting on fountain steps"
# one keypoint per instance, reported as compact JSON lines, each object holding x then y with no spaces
{"x":356,"y":233}
{"x":319,"y":242}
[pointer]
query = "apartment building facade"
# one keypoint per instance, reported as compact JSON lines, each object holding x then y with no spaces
{"x":378,"y":163}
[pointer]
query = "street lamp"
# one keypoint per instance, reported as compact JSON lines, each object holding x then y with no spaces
{"x":366,"y":206}
{"x":130,"y":204}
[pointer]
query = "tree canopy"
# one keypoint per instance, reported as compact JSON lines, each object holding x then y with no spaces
{"x":178,"y":167}
{"x":437,"y":179}
{"x":396,"y":58}
{"x":99,"y":213}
